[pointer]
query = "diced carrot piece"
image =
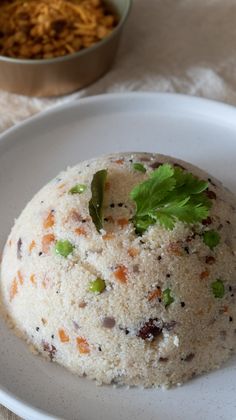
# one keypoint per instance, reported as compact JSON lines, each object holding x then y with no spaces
{"x":107,"y":186}
{"x":63,"y":336}
{"x":20,"y":277}
{"x":110,"y":219}
{"x":61,"y":186}
{"x":122,"y":222}
{"x":121,"y":274}
{"x":174,"y":248}
{"x":13,"y":289}
{"x":204,"y":274}
{"x":108,"y":236}
{"x":32,"y":245}
{"x":133,"y":252}
{"x":47,"y":241}
{"x":33,"y":279}
{"x":74,"y":215}
{"x":200,"y":312}
{"x":209,"y":307}
{"x":80,"y":231}
{"x":49,"y":221}
{"x":82,"y":345}
{"x":119,"y":161}
{"x":45,"y":282}
{"x":154,"y":294}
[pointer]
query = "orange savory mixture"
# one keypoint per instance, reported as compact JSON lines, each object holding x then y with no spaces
{"x":40,"y":29}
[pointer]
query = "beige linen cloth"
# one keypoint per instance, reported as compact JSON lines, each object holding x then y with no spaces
{"x":186,"y":46}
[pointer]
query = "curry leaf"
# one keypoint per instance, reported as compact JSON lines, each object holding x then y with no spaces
{"x":96,"y":201}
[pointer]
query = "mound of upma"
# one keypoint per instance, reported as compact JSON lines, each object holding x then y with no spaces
{"x":123,"y":269}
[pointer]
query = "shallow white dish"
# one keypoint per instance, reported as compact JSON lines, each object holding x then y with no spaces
{"x":196,"y":130}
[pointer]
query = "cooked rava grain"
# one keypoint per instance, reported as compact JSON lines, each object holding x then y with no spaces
{"x":122,"y":280}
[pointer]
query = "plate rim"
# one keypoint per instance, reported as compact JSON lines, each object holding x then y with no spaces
{"x":208,"y":105}
{"x":195,"y":106}
{"x":21,"y":408}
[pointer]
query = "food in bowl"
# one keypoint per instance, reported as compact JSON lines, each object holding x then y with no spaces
{"x":45,"y":29}
{"x":123,"y":269}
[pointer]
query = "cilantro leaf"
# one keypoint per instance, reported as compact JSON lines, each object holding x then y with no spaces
{"x":184,"y":211}
{"x":170,"y":194}
{"x":145,"y":195}
{"x":96,"y":202}
{"x":141,"y":224}
{"x":189,"y":182}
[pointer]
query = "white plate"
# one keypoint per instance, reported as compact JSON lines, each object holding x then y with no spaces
{"x":197,"y":130}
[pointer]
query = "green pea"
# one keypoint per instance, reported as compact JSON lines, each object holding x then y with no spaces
{"x":139,"y":167}
{"x":211,"y":238}
{"x":64,"y":248}
{"x":78,"y":189}
{"x":167,"y":299}
{"x":97,"y":286}
{"x":218,"y":289}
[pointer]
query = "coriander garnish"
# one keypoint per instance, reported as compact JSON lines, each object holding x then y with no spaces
{"x":170,"y":194}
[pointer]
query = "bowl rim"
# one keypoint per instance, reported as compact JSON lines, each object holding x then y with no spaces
{"x":81,"y":53}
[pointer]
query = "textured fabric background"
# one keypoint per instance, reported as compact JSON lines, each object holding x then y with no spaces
{"x":7,"y":415}
{"x":186,"y":46}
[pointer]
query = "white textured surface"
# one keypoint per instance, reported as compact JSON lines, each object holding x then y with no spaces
{"x":182,"y":46}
